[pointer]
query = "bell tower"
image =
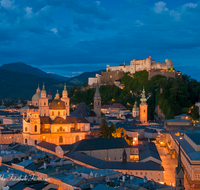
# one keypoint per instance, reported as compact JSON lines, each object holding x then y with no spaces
{"x":179,"y":173}
{"x":66,"y":99}
{"x":143,"y":108}
{"x":135,"y":110}
{"x":97,"y":103}
{"x":43,"y":103}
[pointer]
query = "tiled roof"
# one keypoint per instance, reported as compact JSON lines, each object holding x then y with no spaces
{"x":83,"y":111}
{"x":101,"y":143}
{"x":68,"y":120}
{"x":60,"y":120}
{"x":195,"y":137}
{"x":115,"y":105}
{"x":46,"y":145}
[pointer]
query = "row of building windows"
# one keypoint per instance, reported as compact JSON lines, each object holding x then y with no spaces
{"x":197,"y":176}
{"x":58,"y":113}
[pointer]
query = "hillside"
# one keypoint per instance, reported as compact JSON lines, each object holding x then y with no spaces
{"x":24,"y":68}
{"x":15,"y":85}
{"x":80,"y":79}
{"x":174,"y":96}
{"x":58,"y":77}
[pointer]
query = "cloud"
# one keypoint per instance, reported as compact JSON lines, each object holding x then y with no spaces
{"x":54,"y":30}
{"x":7,"y":3}
{"x":160,"y":7}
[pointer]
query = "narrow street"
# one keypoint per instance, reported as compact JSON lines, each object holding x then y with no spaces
{"x":169,"y":165}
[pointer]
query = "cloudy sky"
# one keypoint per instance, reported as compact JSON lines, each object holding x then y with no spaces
{"x":68,"y":37}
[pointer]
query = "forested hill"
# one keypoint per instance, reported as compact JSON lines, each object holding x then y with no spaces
{"x":174,"y":96}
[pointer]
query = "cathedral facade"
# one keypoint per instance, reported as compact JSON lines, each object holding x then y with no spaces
{"x":50,"y":121}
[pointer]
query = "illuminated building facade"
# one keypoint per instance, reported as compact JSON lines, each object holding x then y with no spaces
{"x":143,"y":108}
{"x":51,"y":122}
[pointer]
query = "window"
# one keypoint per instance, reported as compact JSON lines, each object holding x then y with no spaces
{"x":36,"y":104}
{"x":52,"y":113}
{"x":64,"y":113}
{"x":60,"y":129}
{"x":35,"y":141}
{"x":35,"y":128}
{"x":109,"y":159}
{"x":26,"y":141}
{"x":58,"y":113}
{"x":66,"y":103}
{"x":77,"y":138}
{"x":45,"y":103}
{"x":25,"y":128}
{"x":60,"y":139}
{"x":158,"y":173}
{"x":136,"y":173}
{"x":158,"y":179}
{"x":145,"y":173}
{"x":144,"y":111}
{"x":141,"y":173}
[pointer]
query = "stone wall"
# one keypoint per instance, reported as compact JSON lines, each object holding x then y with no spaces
{"x":110,"y":77}
{"x":166,"y":73}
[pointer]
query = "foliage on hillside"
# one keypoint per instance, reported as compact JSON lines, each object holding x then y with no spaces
{"x":174,"y":96}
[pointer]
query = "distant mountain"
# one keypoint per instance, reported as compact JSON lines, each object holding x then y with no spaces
{"x":80,"y":79}
{"x":24,"y":68}
{"x":21,"y":86}
{"x":58,"y":77}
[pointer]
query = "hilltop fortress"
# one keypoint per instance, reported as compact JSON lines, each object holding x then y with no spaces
{"x":114,"y":74}
{"x":140,"y":65}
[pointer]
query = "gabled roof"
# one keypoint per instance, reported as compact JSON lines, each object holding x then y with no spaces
{"x":83,"y":111}
{"x":68,"y":120}
{"x":148,"y":149}
{"x":101,"y":143}
{"x":66,"y":147}
{"x":47,"y":145}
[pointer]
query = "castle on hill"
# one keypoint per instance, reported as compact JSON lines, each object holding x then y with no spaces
{"x":113,"y":74}
{"x":50,"y":121}
{"x":141,"y":64}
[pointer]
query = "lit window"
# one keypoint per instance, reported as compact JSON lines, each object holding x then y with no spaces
{"x":58,"y":113}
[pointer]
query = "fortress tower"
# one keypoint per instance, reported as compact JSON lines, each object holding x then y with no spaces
{"x":97,"y":103}
{"x":143,"y":108}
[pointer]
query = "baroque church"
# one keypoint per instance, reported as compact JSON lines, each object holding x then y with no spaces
{"x":50,"y":121}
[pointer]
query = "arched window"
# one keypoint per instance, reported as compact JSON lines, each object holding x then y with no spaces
{"x":52,"y":113}
{"x":58,"y":113}
{"x":77,"y":138}
{"x":60,"y":139}
{"x":60,"y":129}
{"x":35,"y":128}
{"x":25,"y":141}
{"x":35,"y":141}
{"x":25,"y":128}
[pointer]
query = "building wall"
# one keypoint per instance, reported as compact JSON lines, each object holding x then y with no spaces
{"x":150,"y":135}
{"x":143,"y":113}
{"x":109,"y":154}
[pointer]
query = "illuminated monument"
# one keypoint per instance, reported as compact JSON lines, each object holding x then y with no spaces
{"x":51,"y":122}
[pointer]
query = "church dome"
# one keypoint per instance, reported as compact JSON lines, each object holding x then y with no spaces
{"x":36,"y":97}
{"x":57,"y":105}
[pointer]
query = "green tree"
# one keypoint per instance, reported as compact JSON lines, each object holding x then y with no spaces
{"x":85,"y":84}
{"x":195,"y":113}
{"x":104,"y":131}
{"x":112,"y":129}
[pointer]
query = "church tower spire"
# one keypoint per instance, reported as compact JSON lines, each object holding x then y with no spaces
{"x":179,"y":173}
{"x":43,"y":103}
{"x":57,"y":97}
{"x":143,"y":107}
{"x":97,"y":103}
{"x":66,"y":99}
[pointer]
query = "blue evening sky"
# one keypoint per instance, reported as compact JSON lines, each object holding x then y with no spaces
{"x":68,"y":37}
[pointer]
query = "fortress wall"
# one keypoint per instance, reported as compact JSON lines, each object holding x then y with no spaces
{"x":107,"y":77}
{"x":160,"y":65}
{"x":173,"y":74}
